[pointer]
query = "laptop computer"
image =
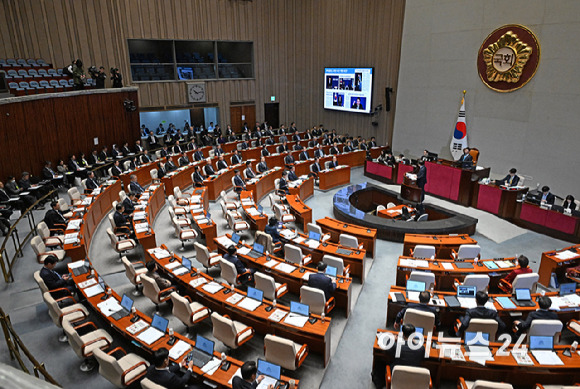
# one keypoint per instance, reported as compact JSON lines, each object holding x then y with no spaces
{"x":257,"y":251}
{"x":261,"y":209}
{"x":567,"y":288}
{"x":538,"y":342}
{"x":331,"y":271}
{"x":202,"y":352}
{"x":85,"y":268}
{"x":271,"y":373}
{"x":413,"y":289}
{"x":156,"y":331}
{"x":477,"y":342}
{"x":299,"y":314}
{"x":523,"y":298}
{"x":126,"y":304}
{"x":235,"y":238}
{"x":466,"y":296}
{"x":314,"y":236}
{"x":252,"y":300}
{"x":299,"y":308}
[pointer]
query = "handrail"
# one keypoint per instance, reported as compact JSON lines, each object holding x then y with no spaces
{"x":6,"y":263}
{"x":15,"y":345}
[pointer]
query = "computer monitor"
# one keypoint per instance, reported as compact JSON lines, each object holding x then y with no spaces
{"x":300,"y":309}
{"x":260,"y":209}
{"x":472,"y":338}
{"x":255,"y":294}
{"x":235,"y":238}
{"x":126,"y":302}
{"x":204,"y":344}
{"x":466,"y":291}
{"x":538,"y":342}
{"x":208,"y":216}
{"x":258,"y":248}
{"x":331,"y":271}
{"x":269,"y":369}
{"x":415,"y":286}
{"x":313,"y":235}
{"x":419,"y":330}
{"x":567,"y":288}
{"x":523,"y":294}
{"x":160,"y":323}
{"x":186,"y":263}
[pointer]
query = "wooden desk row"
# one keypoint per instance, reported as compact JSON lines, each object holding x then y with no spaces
{"x":444,"y":244}
{"x":547,"y":221}
{"x":294,"y":279}
{"x":154,"y":200}
{"x":301,"y":211}
{"x":558,"y":261}
{"x":316,"y":335}
{"x":365,"y":236}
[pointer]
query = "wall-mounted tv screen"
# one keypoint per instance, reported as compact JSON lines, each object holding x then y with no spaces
{"x":348,"y":89}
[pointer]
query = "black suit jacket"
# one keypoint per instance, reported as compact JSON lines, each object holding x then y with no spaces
{"x":315,"y":168}
{"x":322,"y":282}
{"x":136,"y":188}
{"x":250,"y":173}
{"x":408,"y":356}
{"x":283,"y":185}
{"x":128,"y":204}
{"x":52,"y":279}
{"x":145,"y":158}
{"x":197,"y":178}
{"x":515,"y":180}
{"x":54,"y":219}
{"x":319,"y":153}
{"x":571,"y":205}
{"x":550,"y":198}
{"x":236,"y":159}
{"x":183,"y":161}
{"x":120,"y":219}
{"x":481,"y":313}
{"x":289,"y":159}
{"x":422,"y":177}
{"x":262,"y":167}
{"x":240,"y":268}
{"x":116,"y":171}
{"x":466,"y":161}
{"x":208,"y":169}
{"x":332,"y":164}
{"x":292,"y":176}
{"x":239,"y":182}
{"x":240,"y":383}
{"x":304,"y":155}
{"x":334,"y":150}
{"x":265,"y":153}
{"x":168,"y":378}
{"x":540,"y":314}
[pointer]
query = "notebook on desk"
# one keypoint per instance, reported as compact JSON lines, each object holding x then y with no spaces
{"x":477,"y":343}
{"x":155,"y":332}
{"x":331,"y":272}
{"x":343,"y":251}
{"x":542,"y":348}
{"x":567,"y":288}
{"x":257,"y":251}
{"x":464,"y":265}
{"x":298,"y":315}
{"x":466,"y":296}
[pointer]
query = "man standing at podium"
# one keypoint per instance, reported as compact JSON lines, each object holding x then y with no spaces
{"x":422,"y":178}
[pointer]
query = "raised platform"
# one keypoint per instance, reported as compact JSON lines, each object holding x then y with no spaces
{"x":354,"y":203}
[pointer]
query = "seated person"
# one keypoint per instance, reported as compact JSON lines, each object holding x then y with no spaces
{"x":283,"y":183}
{"x":387,"y":158}
{"x":116,"y":170}
{"x":510,"y":180}
{"x":236,"y":158}
{"x":425,"y":156}
{"x":262,"y":166}
{"x":265,"y":152}
{"x":272,"y":230}
{"x":166,"y":374}
{"x":162,"y":282}
{"x":292,"y":174}
{"x":304,"y":155}
{"x":422,"y":305}
{"x":248,"y":379}
{"x":334,"y":163}
{"x":54,"y":218}
{"x":321,"y":281}
{"x":524,"y":269}
{"x":197,"y":177}
{"x":316,"y":167}
{"x":208,"y":169}
{"x":466,"y":160}
{"x":170,"y":166}
{"x":129,"y":203}
{"x":543,"y":313}
{"x":479,"y":312}
{"x":145,"y":157}
{"x":569,"y":203}
{"x":221,"y":164}
{"x":289,"y":160}
{"x":334,"y":149}
{"x":240,"y":267}
{"x":183,"y":160}
{"x":239,"y":184}
{"x":91,"y":182}
{"x":547,"y":197}
{"x":249,"y":172}
{"x":122,"y":222}
{"x":135,"y":187}
{"x":54,"y":280}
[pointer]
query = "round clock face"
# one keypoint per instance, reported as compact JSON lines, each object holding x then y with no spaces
{"x":197,"y":92}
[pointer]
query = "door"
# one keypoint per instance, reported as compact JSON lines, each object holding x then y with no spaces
{"x":272,"y":114}
{"x":197,"y":117}
{"x":241,"y":114}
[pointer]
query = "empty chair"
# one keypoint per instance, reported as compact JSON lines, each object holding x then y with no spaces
{"x":71,"y":313}
{"x":122,"y":195}
{"x":338,"y":263}
{"x":273,"y":200}
{"x":482,"y":384}
{"x":154,"y":173}
{"x":272,"y":289}
{"x":574,"y":326}
{"x":41,"y":253}
{"x":294,"y":254}
{"x":49,"y":241}
{"x":75,"y":196}
{"x":467,"y":251}
{"x":188,"y":312}
{"x":522,"y":281}
{"x":404,"y":377}
{"x":181,"y":198}
{"x":424,"y":251}
{"x":120,"y":372}
{"x":230,"y":332}
{"x":120,"y":246}
{"x":423,"y":218}
{"x":178,"y":210}
{"x":350,"y":241}
{"x":84,"y":186}
{"x":230,"y":273}
{"x":146,"y":383}
{"x":126,"y":166}
{"x":230,"y":204}
{"x":485,"y":326}
{"x":134,"y":273}
{"x":420,"y":319}
{"x":380,"y":208}
{"x":204,"y":257}
{"x":311,"y":227}
{"x":316,"y":300}
{"x":546,"y":328}
{"x":422,"y":276}
{"x":235,"y":222}
{"x":183,"y":233}
{"x":84,"y":345}
{"x":152,"y":291}
{"x":391,"y":205}
{"x":480,"y":281}
{"x":284,"y":352}
{"x":282,"y":214}
{"x":224,"y":208}
{"x":64,"y":208}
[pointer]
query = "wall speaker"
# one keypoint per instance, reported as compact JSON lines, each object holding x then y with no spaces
{"x":388,"y":99}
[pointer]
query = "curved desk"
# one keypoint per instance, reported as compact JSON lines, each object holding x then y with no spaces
{"x":444,"y":244}
{"x":354,"y":204}
{"x":301,"y":211}
{"x":365,"y":236}
{"x":264,"y":183}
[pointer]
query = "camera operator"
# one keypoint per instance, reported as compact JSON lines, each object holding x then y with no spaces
{"x":116,"y":78}
{"x":99,"y":76}
{"x":78,"y":75}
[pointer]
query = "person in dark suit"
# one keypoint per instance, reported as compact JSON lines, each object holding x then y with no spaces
{"x":422,"y":305}
{"x":543,"y":313}
{"x":319,"y":152}
{"x":321,"y":281}
{"x":547,"y":197}
{"x":298,"y":147}
{"x":145,"y":157}
{"x":94,"y":158}
{"x":122,"y":222}
{"x":164,"y":152}
{"x":177,"y":148}
{"x":5,"y":200}
{"x":104,"y":155}
{"x":373,"y":142}
{"x":569,"y":203}
{"x":479,"y":312}
{"x":54,"y":217}
{"x":248,"y":379}
{"x":240,"y":267}
{"x":348,"y":148}
{"x":170,"y":166}
{"x":334,"y":163}
{"x":289,"y":160}
{"x":221,"y":164}
{"x":272,"y":230}
{"x":262,"y":166}
{"x":153,"y":144}
{"x":316,"y":167}
{"x":304,"y":155}
{"x":14,"y":190}
{"x":334,"y":149}
{"x":54,"y":280}
{"x":357,"y":104}
{"x":422,"y":178}
{"x":282,"y":148}
{"x":218,"y":151}
{"x":134,"y":186}
{"x":296,"y":137}
{"x":244,"y":145}
{"x":197,"y":177}
{"x":236,"y":158}
{"x":283,"y":183}
{"x":198,"y":155}
{"x":292,"y":174}
{"x":116,"y":169}
{"x":265,"y":151}
{"x":167,"y":375}
{"x":510,"y":180}
{"x":208,"y":169}
{"x":183,"y":160}
{"x":466,"y":160}
{"x":129,"y":204}
{"x":239,"y":184}
{"x":249,"y":171}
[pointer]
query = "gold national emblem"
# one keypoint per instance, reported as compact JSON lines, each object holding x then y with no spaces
{"x":506,"y":58}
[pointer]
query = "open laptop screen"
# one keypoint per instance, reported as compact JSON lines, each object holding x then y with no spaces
{"x":567,"y":288}
{"x":258,"y":248}
{"x":235,"y":238}
{"x":472,"y":339}
{"x":466,"y":291}
{"x":301,"y":309}
{"x":541,"y":342}
{"x":415,"y":286}
{"x":331,"y":271}
{"x":126,"y":302}
{"x":313,"y":235}
{"x":255,"y":294}
{"x":204,"y":344}
{"x":160,"y":323}
{"x":269,"y":369}
{"x":186,"y":263}
{"x":523,"y":295}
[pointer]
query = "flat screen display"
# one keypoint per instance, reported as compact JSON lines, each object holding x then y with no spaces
{"x":348,"y":89}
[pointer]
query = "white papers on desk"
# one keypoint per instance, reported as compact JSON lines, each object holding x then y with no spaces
{"x":413,"y":296}
{"x":79,"y":209}
{"x":141,"y":227}
{"x":195,"y":199}
{"x":236,"y":298}
{"x":568,"y":301}
{"x":547,"y":357}
{"x":181,"y":271}
{"x":522,"y":358}
{"x":313,"y":244}
{"x":490,"y":305}
{"x":96,"y":191}
{"x":94,"y":290}
{"x":87,"y":200}
{"x":299,"y":239}
{"x":452,"y":351}
{"x":411,"y":176}
{"x":136,"y":327}
{"x":504,"y":264}
{"x":447,"y":265}
{"x":404,"y":262}
{"x":139,"y":216}
{"x":71,"y":238}
{"x":213,"y":287}
{"x":150,"y":335}
{"x":109,"y":306}
{"x":267,"y":382}
{"x":306,"y":276}
{"x":212,"y":366}
{"x":286,"y":268}
{"x":87,"y":283}
{"x":479,"y":354}
{"x":110,"y":182}
{"x":196,"y":208}
{"x":76,"y":264}
{"x":566,"y":255}
{"x":296,"y":320}
{"x":252,"y":211}
{"x":172,"y":265}
{"x":288,"y":234}
{"x":197,"y":282}
{"x":244,"y":250}
{"x":467,"y":302}
{"x":247,"y":201}
{"x":74,"y":224}
{"x":277,"y":315}
{"x":160,"y":253}
{"x":249,"y":304}
{"x":179,"y":349}
{"x":225,"y":241}
{"x":203,"y":220}
{"x":271,"y":263}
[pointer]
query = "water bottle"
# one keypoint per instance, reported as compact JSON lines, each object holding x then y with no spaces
{"x":274,"y":303}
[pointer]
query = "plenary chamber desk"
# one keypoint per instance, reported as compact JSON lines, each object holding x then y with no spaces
{"x":355,"y":204}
